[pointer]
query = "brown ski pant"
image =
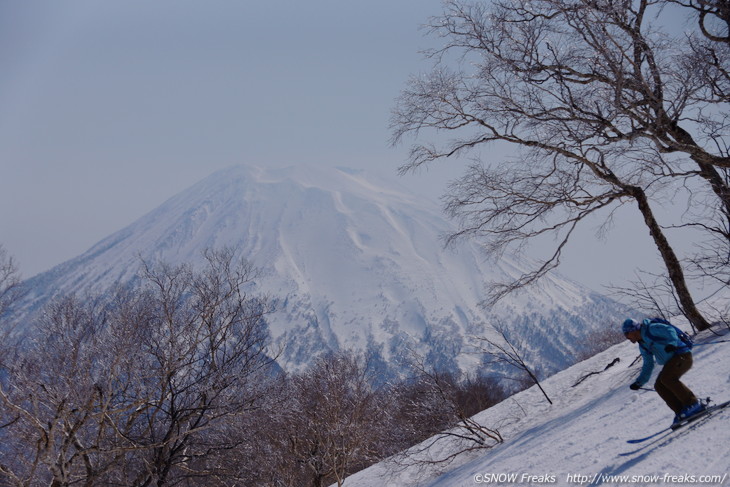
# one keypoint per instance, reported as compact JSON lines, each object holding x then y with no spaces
{"x":670,"y":388}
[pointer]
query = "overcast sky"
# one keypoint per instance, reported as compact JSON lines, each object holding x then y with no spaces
{"x":108,"y":108}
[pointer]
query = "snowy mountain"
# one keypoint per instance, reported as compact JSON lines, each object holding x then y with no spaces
{"x":353,"y":262}
{"x":582,"y":438}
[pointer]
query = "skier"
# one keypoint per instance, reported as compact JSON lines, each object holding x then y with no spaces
{"x":660,"y":341}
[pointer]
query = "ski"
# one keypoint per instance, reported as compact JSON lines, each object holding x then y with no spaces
{"x":708,"y":410}
{"x":647,"y":438}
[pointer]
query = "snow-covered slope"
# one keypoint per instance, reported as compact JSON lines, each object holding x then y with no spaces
{"x":354,"y":263}
{"x":582,"y":437}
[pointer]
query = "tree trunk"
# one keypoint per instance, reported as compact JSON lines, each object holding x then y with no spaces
{"x":718,"y":185}
{"x":674,"y":268}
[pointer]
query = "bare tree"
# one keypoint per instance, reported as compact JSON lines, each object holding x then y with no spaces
{"x":506,"y":351}
{"x":66,"y":388}
{"x":10,"y":280}
{"x":710,"y":45}
{"x":205,"y":347}
{"x":653,"y":294}
{"x":137,"y":387}
{"x":600,"y":104}
{"x":335,"y":421}
{"x":436,"y":408}
{"x":713,"y":18}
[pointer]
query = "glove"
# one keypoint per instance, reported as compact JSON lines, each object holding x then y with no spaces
{"x":670,"y":348}
{"x":635,"y":386}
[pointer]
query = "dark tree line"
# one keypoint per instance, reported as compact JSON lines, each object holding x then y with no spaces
{"x":173,"y":382}
{"x":130,"y":388}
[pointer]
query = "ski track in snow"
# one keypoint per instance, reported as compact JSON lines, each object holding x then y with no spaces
{"x":582,"y":437}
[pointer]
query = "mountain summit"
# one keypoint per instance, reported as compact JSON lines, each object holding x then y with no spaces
{"x":353,"y":262}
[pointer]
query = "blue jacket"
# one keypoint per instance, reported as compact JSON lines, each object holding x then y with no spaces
{"x":654,"y":339}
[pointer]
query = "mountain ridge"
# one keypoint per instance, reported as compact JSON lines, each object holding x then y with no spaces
{"x":353,"y":262}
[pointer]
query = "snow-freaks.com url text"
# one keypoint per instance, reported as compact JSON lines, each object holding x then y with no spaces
{"x":597,"y":479}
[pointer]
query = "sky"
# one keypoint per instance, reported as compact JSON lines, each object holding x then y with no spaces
{"x":108,"y":108}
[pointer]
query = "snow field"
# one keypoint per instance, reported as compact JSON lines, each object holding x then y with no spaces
{"x":581,"y":438}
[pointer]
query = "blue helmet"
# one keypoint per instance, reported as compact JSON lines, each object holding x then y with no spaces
{"x":630,"y":325}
